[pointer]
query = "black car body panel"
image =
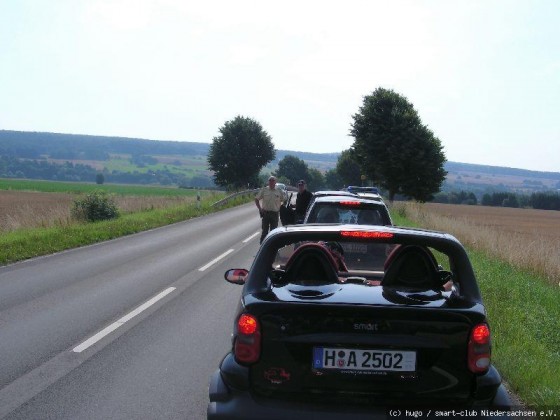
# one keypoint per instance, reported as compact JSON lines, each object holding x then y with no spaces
{"x":349,"y":339}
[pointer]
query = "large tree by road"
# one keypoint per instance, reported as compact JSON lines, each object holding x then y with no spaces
{"x":395,"y":149}
{"x":240,"y":152}
{"x":348,"y":168}
{"x":292,"y":168}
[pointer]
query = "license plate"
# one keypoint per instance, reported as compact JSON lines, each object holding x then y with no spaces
{"x":364,"y":360}
{"x":355,"y":248}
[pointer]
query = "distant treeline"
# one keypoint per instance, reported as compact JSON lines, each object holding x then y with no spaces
{"x":537,"y":200}
{"x":11,"y":167}
{"x":453,"y":197}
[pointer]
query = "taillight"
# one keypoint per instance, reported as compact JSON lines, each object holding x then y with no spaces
{"x":247,"y":344}
{"x":479,"y":349}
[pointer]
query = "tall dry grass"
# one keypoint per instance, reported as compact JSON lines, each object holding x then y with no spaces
{"x":22,"y":210}
{"x":517,"y":236}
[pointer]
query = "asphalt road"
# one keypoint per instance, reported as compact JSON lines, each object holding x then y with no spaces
{"x":125,"y":329}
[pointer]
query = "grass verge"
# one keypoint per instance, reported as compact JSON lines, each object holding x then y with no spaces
{"x":523,"y":313}
{"x":28,"y":243}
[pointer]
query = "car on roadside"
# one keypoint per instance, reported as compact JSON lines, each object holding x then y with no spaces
{"x":316,"y":337}
{"x":353,"y":210}
{"x":347,"y":209}
{"x":282,"y":187}
{"x":331,"y":193}
{"x":371,"y":193}
{"x":322,"y":193}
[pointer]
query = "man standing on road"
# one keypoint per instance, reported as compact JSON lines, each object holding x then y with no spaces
{"x":270,"y":208}
{"x":302,"y":200}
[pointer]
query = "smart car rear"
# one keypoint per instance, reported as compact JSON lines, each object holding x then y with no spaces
{"x":314,"y":335}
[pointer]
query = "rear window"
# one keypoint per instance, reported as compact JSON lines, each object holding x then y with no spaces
{"x":347,"y":213}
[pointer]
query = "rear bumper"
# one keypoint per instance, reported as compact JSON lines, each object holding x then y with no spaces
{"x":233,"y":400}
{"x":226,"y":403}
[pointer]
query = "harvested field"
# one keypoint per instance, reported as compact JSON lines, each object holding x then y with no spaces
{"x":533,"y":224}
{"x":526,"y":238}
{"x":23,"y":209}
{"x":20,"y":209}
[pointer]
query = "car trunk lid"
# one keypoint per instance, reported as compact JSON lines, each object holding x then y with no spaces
{"x":371,"y":353}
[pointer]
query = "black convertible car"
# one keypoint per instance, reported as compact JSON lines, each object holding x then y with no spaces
{"x":316,"y":337}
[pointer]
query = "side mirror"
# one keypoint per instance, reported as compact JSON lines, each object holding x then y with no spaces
{"x":236,"y":275}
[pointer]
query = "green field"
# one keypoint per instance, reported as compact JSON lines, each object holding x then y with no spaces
{"x":180,"y":165}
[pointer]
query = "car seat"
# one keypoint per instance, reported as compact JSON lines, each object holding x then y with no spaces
{"x":311,"y":264}
{"x":327,"y":215}
{"x":412,"y":267}
{"x":369,"y":217}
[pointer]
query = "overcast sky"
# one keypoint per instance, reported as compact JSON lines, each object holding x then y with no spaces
{"x":484,"y":75}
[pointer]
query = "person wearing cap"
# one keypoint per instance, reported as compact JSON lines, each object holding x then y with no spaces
{"x":271,"y":198}
{"x":303,"y":199}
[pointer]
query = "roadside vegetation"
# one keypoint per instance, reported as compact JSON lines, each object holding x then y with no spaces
{"x":45,"y":225}
{"x":521,"y":298}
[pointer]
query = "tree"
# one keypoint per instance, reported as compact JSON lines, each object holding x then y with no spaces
{"x":316,"y":180}
{"x":99,"y":179}
{"x":545,"y":200}
{"x":240,"y":152}
{"x":395,"y":149}
{"x":333,"y":180}
{"x":293,"y":169}
{"x":96,"y":205}
{"x":348,"y":168}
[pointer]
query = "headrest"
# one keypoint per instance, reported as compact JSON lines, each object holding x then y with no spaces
{"x":369,"y":217}
{"x":311,"y":263}
{"x":411,"y":267}
{"x":327,"y":215}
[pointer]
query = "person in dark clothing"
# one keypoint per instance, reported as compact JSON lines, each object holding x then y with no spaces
{"x":303,"y":199}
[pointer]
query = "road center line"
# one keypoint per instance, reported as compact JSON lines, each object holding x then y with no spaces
{"x":215,"y":260}
{"x":250,"y":237}
{"x":95,"y":338}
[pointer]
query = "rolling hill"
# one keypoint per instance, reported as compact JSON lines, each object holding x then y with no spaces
{"x":73,"y":157}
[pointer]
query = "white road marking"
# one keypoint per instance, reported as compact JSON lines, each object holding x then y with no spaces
{"x":251,"y":237}
{"x":95,"y":338}
{"x":215,"y":260}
